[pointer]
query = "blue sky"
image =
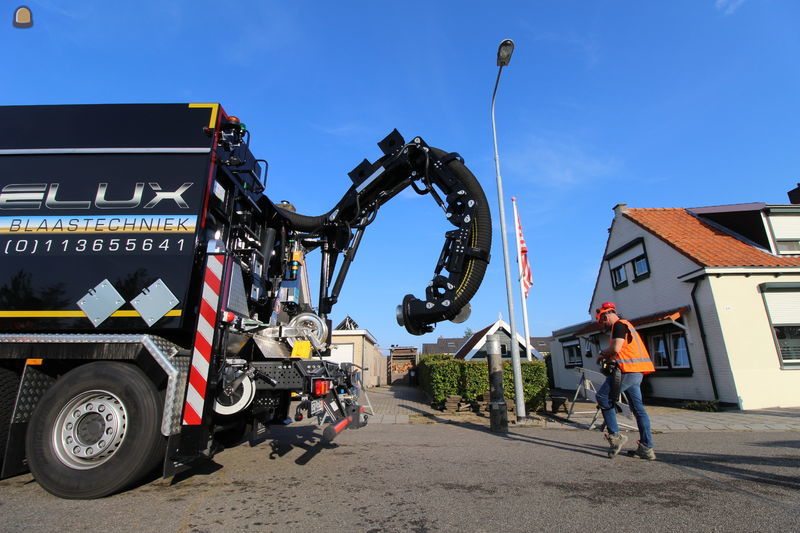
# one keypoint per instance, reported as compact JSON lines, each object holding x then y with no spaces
{"x":654,"y":104}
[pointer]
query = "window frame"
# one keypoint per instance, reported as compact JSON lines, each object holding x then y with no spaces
{"x":668,"y":332}
{"x":764,"y":288}
{"x":778,"y":243}
{"x":638,"y":241}
{"x":619,"y":283}
{"x":573,"y":347}
{"x":646,"y":273}
{"x":651,"y":341}
{"x":778,"y":340}
{"x":672,"y":355}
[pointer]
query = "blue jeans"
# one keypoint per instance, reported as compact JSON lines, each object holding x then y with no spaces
{"x":631,"y":384}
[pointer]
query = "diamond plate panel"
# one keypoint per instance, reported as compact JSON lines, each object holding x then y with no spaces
{"x":154,"y":302}
{"x":34,"y":384}
{"x":100,"y":302}
{"x":166,"y":354}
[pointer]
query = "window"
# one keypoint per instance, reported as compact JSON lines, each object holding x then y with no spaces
{"x":679,"y":352}
{"x":618,"y":277}
{"x":632,"y":253}
{"x":641,"y":268}
{"x":503,"y":349}
{"x":788,"y":247}
{"x":572,"y":354}
{"x":658,"y":351}
{"x":782,"y":301}
{"x":668,"y":350}
{"x":788,"y":342}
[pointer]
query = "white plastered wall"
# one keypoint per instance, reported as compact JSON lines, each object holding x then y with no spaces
{"x":754,"y":359}
{"x":662,"y":291}
{"x":563,"y":376}
{"x":356,"y":346}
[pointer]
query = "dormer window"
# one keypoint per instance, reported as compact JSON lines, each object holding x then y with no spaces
{"x":628,"y":259}
{"x":788,"y":247}
{"x":618,"y":277}
{"x":641,"y":268}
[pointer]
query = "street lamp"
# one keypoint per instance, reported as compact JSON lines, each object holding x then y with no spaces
{"x":504,"y":52}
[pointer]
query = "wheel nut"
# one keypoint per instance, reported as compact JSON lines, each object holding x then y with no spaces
{"x":101,"y":408}
{"x":109,"y":417}
{"x":76,"y":450}
{"x":69,"y":426}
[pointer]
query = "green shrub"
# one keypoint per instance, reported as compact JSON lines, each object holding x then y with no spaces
{"x":534,"y":383}
{"x":709,"y":407}
{"x":474,"y":380}
{"x":441,"y":377}
{"x":436,"y":357}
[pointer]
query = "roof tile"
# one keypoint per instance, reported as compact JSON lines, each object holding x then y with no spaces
{"x":702,"y":242}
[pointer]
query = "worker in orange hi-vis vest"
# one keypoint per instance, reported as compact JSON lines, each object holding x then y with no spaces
{"x":625,"y":362}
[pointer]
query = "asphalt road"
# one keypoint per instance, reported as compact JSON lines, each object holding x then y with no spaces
{"x":449,"y":478}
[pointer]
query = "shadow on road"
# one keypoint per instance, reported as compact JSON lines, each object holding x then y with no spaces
{"x":577,"y":448}
{"x":600,"y":450}
{"x":200,"y":467}
{"x":738,"y":467}
{"x":287,"y":438}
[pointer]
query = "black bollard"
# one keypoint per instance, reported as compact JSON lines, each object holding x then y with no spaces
{"x":498,"y":411}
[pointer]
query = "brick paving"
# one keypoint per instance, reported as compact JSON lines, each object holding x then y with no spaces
{"x":399,"y":404}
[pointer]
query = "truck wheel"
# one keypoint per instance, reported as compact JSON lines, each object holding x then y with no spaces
{"x":95,"y":431}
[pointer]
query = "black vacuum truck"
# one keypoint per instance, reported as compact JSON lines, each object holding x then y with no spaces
{"x":155,"y":302}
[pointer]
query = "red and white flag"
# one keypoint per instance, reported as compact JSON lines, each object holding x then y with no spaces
{"x":526,"y":278}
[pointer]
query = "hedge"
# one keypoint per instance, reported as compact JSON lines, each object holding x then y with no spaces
{"x":442,"y":376}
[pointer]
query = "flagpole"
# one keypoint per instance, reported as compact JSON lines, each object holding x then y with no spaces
{"x":521,"y":283}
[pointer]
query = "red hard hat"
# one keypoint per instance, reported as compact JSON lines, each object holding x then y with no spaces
{"x":604,"y":308}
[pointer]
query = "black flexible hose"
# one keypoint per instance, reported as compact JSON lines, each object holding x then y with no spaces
{"x":417,"y":315}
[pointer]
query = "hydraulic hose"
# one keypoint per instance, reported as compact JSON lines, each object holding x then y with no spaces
{"x":300,"y":222}
{"x":466,"y":251}
{"x":469,"y":211}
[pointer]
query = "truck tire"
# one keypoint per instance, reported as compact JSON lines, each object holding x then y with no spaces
{"x":96,"y":431}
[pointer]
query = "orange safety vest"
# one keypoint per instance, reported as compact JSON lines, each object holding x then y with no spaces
{"x":633,"y":356}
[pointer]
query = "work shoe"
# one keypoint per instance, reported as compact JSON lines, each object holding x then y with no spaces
{"x":615,"y":443}
{"x":643,"y":452}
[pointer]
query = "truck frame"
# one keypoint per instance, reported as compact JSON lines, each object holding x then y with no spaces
{"x":155,"y":303}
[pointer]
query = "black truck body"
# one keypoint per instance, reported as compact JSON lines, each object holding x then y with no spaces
{"x":155,"y":303}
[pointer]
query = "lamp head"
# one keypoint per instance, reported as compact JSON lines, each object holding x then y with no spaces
{"x":504,"y":52}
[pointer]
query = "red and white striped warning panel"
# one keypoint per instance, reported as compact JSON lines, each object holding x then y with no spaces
{"x":203,"y":340}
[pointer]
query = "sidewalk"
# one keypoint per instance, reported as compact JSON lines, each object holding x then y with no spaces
{"x":669,"y":419}
{"x":398,"y":404}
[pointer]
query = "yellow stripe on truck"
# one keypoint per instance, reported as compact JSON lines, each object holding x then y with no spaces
{"x":73,"y":314}
{"x":212,"y":123}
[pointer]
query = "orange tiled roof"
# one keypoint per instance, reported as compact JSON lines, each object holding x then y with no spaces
{"x":701,"y":242}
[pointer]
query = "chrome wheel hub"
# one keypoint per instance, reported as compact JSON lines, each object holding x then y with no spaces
{"x":89,"y":429}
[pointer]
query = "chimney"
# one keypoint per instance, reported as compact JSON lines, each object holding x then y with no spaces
{"x":794,"y":195}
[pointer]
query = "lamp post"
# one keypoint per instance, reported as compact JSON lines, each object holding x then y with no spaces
{"x":504,"y":52}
